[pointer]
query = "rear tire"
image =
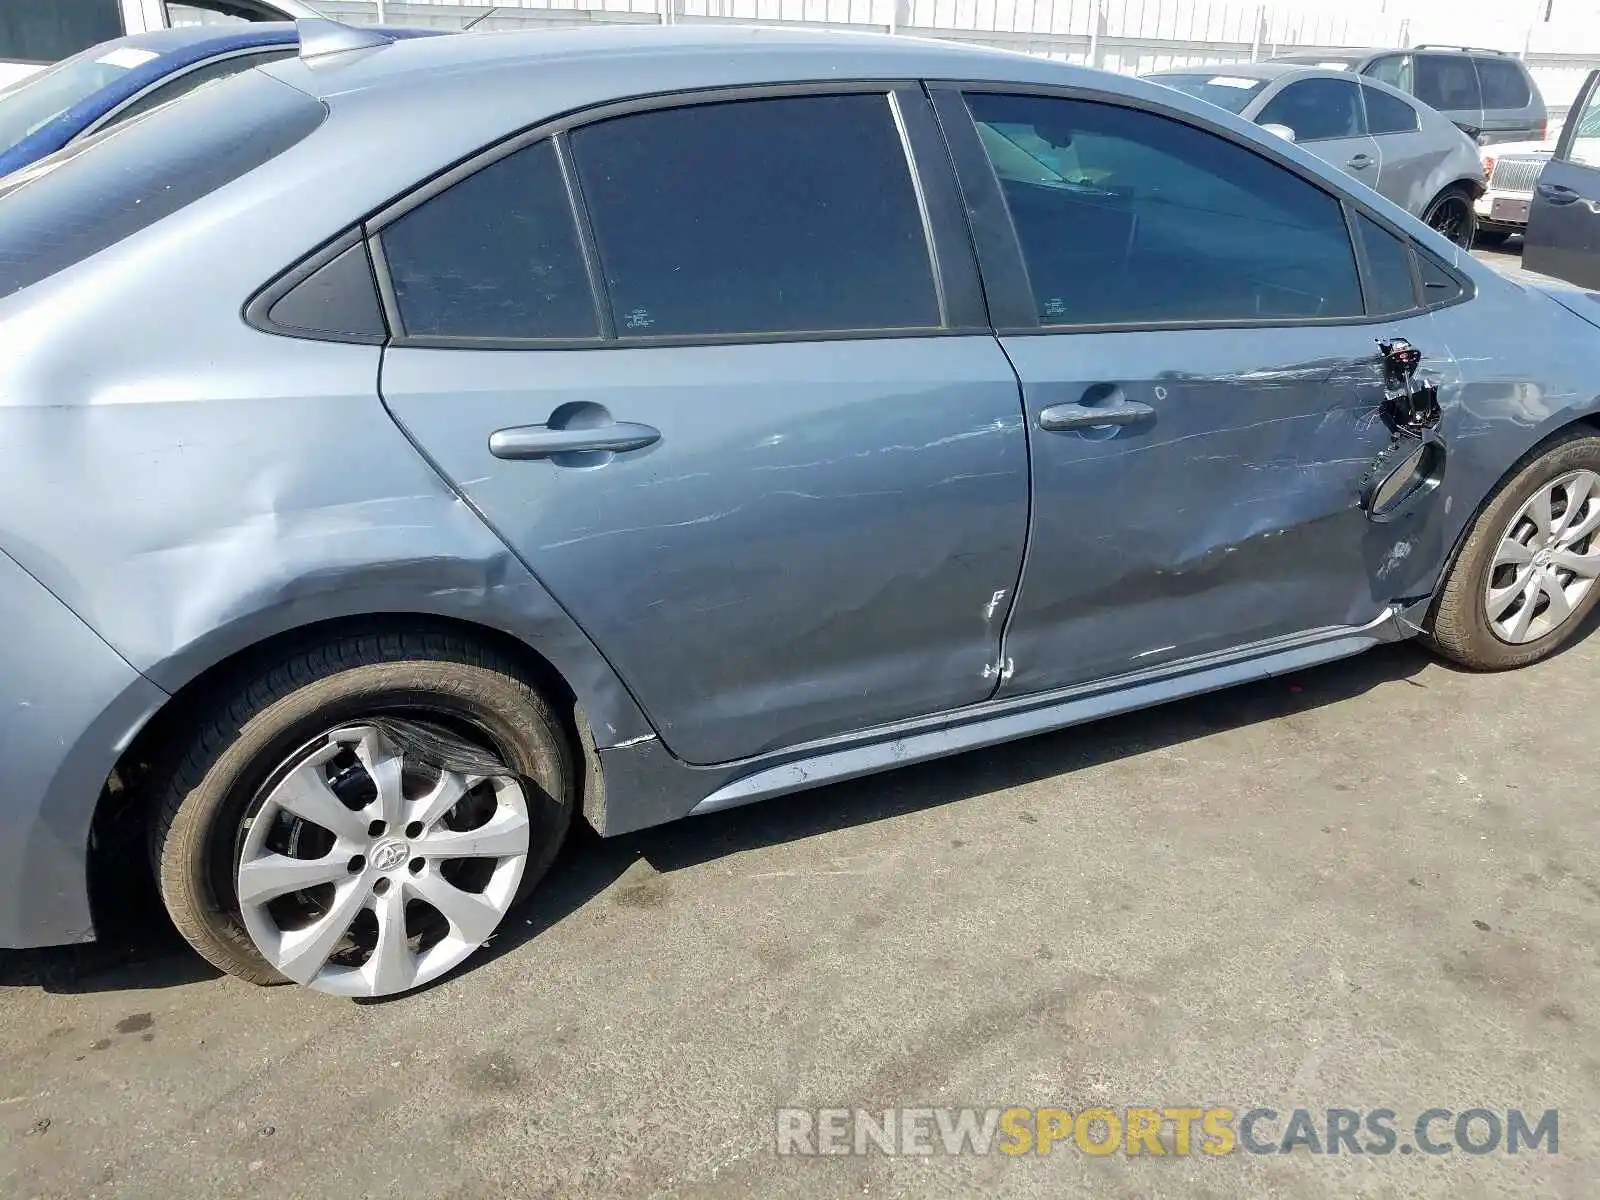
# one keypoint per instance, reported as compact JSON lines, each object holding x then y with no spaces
{"x":1452,"y":215}
{"x":297,"y":735}
{"x":1498,"y":607}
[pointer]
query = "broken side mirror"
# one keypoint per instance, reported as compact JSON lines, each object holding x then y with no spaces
{"x":1409,"y":404}
{"x":1413,"y":461}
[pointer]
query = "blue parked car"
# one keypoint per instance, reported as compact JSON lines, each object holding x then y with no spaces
{"x":408,"y":451}
{"x":120,"y":79}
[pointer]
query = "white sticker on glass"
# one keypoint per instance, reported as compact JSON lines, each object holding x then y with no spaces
{"x":127,"y":57}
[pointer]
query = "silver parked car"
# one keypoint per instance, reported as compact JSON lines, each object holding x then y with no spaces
{"x":1490,"y":93}
{"x":674,"y":418}
{"x":1405,"y":150}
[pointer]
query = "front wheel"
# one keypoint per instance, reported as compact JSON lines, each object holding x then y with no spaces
{"x":1525,"y":577}
{"x":1452,"y":214}
{"x":360,"y":817}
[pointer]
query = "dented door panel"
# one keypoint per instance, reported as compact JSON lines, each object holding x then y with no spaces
{"x":823,"y":536}
{"x":1233,"y":514}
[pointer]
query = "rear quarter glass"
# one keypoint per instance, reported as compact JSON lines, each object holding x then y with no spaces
{"x":79,"y":201}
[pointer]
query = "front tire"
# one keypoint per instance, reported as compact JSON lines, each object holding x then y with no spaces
{"x":1526,"y":576}
{"x":359,"y":816}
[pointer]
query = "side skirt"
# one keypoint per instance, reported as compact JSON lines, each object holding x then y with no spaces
{"x":645,"y":785}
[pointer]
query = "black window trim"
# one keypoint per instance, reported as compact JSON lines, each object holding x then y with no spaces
{"x":999,"y":252}
{"x":258,"y":308}
{"x":1295,"y":80}
{"x":954,"y":275}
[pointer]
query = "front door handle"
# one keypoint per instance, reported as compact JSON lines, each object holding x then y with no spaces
{"x":1360,"y":162}
{"x":1556,"y":193}
{"x":541,"y":441}
{"x":1062,"y":417}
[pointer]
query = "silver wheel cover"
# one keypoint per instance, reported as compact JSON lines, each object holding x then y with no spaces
{"x":1546,"y":560}
{"x":390,"y":859}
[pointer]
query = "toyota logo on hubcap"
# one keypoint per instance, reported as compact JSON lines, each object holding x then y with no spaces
{"x":386,"y":856}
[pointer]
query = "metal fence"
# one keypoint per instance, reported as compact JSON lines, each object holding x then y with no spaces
{"x":1131,"y":36}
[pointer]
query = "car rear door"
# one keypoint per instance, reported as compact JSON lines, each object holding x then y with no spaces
{"x":1449,"y":83}
{"x":1329,"y":121}
{"x":1202,"y":381}
{"x":1408,"y":156}
{"x":745,"y":419}
{"x":1563,"y":237}
{"x":1509,"y":111}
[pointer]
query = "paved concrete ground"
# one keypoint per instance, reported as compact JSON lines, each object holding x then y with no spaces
{"x":1375,"y":884}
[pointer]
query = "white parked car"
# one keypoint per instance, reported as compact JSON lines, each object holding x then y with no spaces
{"x":1512,"y":169}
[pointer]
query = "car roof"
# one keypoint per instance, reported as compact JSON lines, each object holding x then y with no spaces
{"x":640,"y":50}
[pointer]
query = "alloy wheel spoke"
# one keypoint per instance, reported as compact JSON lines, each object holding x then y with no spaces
{"x":1539,"y":512}
{"x":446,"y":794}
{"x":384,"y":766}
{"x":1518,"y":629}
{"x":1559,"y":609}
{"x":1585,"y":565}
{"x":472,"y":917}
{"x":1501,"y":599}
{"x":303,"y":952}
{"x":1578,"y":490}
{"x":503,"y":836}
{"x":271,"y":875}
{"x":1581,"y":525}
{"x":1512,"y":552}
{"x":392,"y":967}
{"x":307,"y":795}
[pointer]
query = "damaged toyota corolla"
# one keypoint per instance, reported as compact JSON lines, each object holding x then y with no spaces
{"x":669,"y":419}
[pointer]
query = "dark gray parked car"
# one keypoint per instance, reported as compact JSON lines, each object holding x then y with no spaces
{"x":1487,"y":91}
{"x":1563,"y":237}
{"x":674,"y":418}
{"x":1404,"y":150}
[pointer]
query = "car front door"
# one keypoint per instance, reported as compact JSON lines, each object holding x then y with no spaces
{"x":745,"y":419}
{"x":1328,"y":121}
{"x":1563,"y":237}
{"x":1202,"y":382}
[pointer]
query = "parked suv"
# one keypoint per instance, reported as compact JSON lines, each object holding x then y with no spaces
{"x":1486,"y":92}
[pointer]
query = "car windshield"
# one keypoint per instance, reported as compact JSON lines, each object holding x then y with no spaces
{"x":40,"y":99}
{"x":1231,"y":92}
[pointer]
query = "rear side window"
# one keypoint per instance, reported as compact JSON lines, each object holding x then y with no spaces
{"x":1447,"y":82}
{"x":1389,"y":286}
{"x":1393,"y":69}
{"x":496,"y":256}
{"x":1438,"y":285}
{"x":794,"y":214}
{"x":1386,"y":113}
{"x":46,"y":31}
{"x":1125,"y":217}
{"x":1504,"y":84}
{"x":81,"y":200}
{"x":1317,"y":109}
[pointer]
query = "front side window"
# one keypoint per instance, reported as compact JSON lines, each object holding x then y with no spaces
{"x":1447,"y":82}
{"x":1125,"y":217}
{"x":495,"y":256}
{"x":1317,"y":109}
{"x":1386,"y":113}
{"x":1504,"y":84}
{"x":794,"y":214}
{"x":46,"y":31}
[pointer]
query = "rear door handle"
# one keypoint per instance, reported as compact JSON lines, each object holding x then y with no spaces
{"x":1360,"y":162}
{"x":540,"y":441}
{"x":1062,"y":417}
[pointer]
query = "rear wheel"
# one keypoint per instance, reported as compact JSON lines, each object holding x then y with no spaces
{"x":1452,"y":214}
{"x":1526,"y":575}
{"x":360,"y":817}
